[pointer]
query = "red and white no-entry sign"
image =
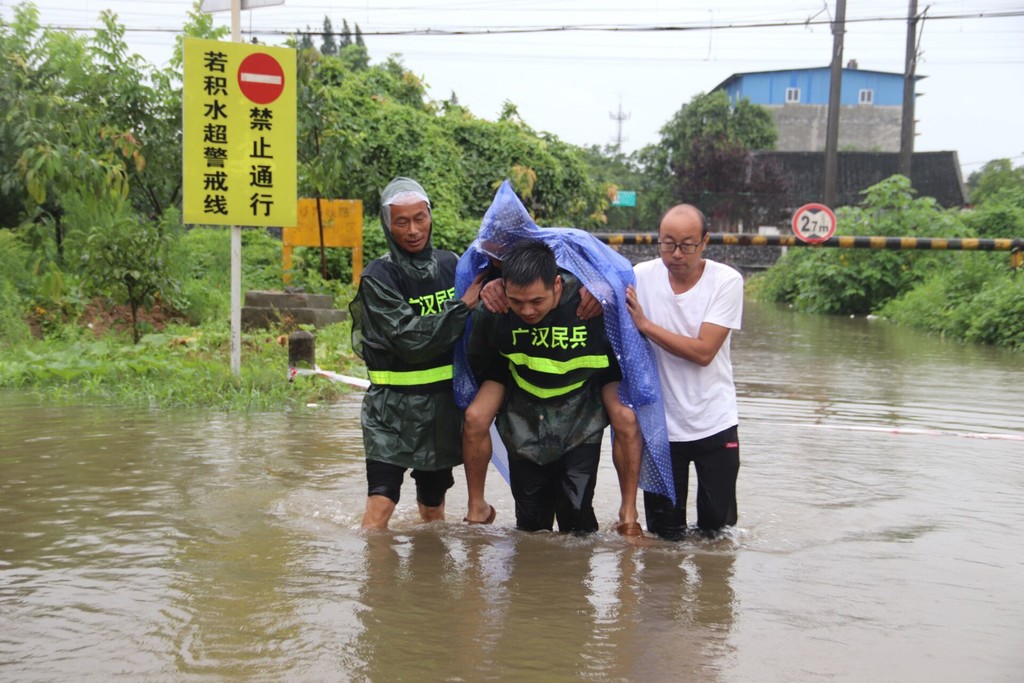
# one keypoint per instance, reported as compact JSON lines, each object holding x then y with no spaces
{"x":260,"y":78}
{"x":814,"y":223}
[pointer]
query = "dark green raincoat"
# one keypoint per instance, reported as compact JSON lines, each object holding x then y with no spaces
{"x":405,"y":322}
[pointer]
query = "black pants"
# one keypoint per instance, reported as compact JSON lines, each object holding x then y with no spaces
{"x":385,"y":479}
{"x":562,"y":490}
{"x":716,"y":459}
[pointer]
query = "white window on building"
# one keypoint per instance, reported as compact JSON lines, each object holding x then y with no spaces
{"x":792,"y":95}
{"x":866,"y":97}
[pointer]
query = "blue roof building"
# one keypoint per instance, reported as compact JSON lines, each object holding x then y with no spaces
{"x":871,"y":106}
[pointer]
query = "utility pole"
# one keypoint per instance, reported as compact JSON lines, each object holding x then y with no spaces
{"x":619,"y":118}
{"x":835,"y":87}
{"x":907,"y":123}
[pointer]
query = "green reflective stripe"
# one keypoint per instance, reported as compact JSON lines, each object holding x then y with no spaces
{"x":557,"y":367}
{"x":410,"y":378}
{"x":541,"y":392}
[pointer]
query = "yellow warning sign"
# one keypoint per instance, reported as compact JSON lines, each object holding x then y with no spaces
{"x":239,"y":134}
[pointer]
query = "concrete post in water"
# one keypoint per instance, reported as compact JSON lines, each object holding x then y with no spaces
{"x":301,"y":350}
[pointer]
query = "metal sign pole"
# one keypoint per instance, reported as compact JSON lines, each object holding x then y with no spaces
{"x":236,"y":238}
{"x":260,"y":59}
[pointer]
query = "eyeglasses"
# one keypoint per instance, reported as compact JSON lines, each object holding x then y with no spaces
{"x":685,"y":247}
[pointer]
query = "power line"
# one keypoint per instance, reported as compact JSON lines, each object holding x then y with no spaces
{"x":584,"y":28}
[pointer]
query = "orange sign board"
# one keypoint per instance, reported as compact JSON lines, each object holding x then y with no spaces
{"x":342,"y":222}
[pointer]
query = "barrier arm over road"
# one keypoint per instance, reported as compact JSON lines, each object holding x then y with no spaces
{"x":1013,"y":245}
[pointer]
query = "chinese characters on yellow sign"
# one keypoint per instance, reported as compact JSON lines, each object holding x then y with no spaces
{"x":239,"y":134}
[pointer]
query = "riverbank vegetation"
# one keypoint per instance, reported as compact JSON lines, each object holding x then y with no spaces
{"x":968,"y":296}
{"x":73,"y":348}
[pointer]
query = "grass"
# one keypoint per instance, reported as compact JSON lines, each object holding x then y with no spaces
{"x":180,"y":367}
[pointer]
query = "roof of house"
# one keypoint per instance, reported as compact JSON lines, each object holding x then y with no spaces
{"x":932,"y":174}
{"x":737,"y":76}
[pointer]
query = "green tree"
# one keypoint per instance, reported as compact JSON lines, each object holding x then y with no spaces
{"x":708,"y":116}
{"x":360,"y":125}
{"x":346,"y":34}
{"x":611,"y":171}
{"x":305,"y":41}
{"x":993,"y":178}
{"x":130,"y":259}
{"x":355,"y":57}
{"x":55,"y":141}
{"x":327,"y":44}
{"x":548,"y":175}
{"x":721,"y":177}
{"x":712,"y":114}
{"x":359,"y":37}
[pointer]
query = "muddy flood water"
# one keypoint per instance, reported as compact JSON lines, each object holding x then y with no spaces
{"x":880,"y":537}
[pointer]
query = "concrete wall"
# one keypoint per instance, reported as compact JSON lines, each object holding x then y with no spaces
{"x":802,"y":128}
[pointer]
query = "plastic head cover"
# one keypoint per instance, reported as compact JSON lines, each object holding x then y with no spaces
{"x":505,"y":223}
{"x":400,"y":191}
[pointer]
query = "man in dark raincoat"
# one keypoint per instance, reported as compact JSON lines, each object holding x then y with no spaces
{"x":405,"y":322}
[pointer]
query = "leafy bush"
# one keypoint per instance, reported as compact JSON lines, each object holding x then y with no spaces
{"x":203,"y":267}
{"x":1000,"y":216}
{"x":12,"y":307}
{"x":12,"y":325}
{"x":306,"y":271}
{"x":130,"y":259}
{"x":947,"y":302}
{"x":995,"y":178}
{"x":998,"y":316}
{"x":827,"y":280}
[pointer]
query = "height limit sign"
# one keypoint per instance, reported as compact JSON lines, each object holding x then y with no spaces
{"x":814,"y":223}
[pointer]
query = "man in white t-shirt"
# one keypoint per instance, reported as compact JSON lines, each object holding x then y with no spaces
{"x":686,"y":306}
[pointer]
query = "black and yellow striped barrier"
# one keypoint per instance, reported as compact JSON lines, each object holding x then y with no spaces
{"x":1015,"y":245}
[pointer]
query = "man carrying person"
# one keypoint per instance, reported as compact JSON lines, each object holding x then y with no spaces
{"x":627,"y":444}
{"x":553,"y":366}
{"x":640,"y":442}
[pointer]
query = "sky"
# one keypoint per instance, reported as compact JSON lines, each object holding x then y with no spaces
{"x":598,"y":66}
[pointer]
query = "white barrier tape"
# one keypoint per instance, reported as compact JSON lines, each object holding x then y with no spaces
{"x":333,"y":376}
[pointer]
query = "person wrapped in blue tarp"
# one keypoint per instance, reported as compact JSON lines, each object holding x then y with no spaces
{"x":605,"y":274}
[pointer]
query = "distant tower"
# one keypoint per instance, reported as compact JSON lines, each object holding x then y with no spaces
{"x":619,"y":118}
